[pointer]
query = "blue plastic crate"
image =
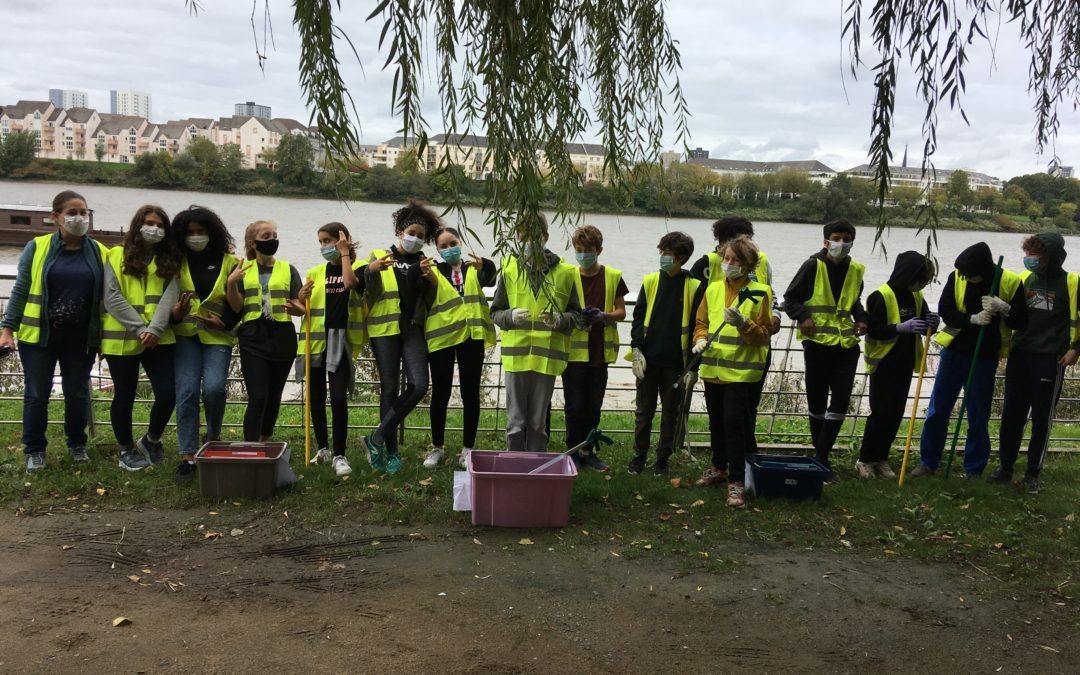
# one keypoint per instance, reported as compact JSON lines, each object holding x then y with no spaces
{"x":785,"y":476}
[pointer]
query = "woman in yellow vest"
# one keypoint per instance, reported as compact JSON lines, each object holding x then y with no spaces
{"x":458,"y":328}
{"x":335,"y":294}
{"x":53,"y":310}
{"x":265,"y":291}
{"x":732,"y":331}
{"x":203,"y":323}
{"x":898,"y":318}
{"x":400,"y":288}
{"x":140,"y":290}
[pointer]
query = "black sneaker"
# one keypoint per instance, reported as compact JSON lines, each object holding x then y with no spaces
{"x":186,"y":472}
{"x":1031,"y":483}
{"x":922,"y":470}
{"x":153,"y":451}
{"x":78,"y":455}
{"x":660,"y":468}
{"x":636,"y":466}
{"x":592,"y":461}
{"x":132,"y":460}
{"x":1000,"y":475}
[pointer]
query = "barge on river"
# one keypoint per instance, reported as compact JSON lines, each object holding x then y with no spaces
{"x":19,"y":223}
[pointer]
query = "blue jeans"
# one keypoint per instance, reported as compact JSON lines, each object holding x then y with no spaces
{"x":200,"y":369}
{"x":951,"y":377}
{"x":39,"y":365}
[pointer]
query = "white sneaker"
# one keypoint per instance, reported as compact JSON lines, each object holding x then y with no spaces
{"x":434,"y":458}
{"x":463,"y":458}
{"x":865,"y":469}
{"x":323,"y":456}
{"x":341,"y":466}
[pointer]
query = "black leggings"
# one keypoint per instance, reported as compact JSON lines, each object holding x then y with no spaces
{"x":1030,"y":381}
{"x":889,"y":386}
{"x":829,"y":370}
{"x":264,"y":381}
{"x":158,"y":364}
{"x":729,"y":406}
{"x":339,"y":405}
{"x":470,"y":360}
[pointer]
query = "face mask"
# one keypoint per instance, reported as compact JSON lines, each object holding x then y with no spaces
{"x":731,"y":271}
{"x":330,"y":253}
{"x":1032,"y":262}
{"x":451,"y":254}
{"x":667,"y":262}
{"x":411,"y":244}
{"x":266,"y":246}
{"x":586,"y":259}
{"x":152,"y":234}
{"x":197,"y":242}
{"x":76,"y":225}
{"x":531,"y":249}
{"x":839,"y":249}
{"x":915,"y":288}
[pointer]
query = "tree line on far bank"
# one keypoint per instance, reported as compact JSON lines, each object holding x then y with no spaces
{"x":1026,"y":202}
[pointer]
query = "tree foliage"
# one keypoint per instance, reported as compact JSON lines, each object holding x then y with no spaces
{"x":294,"y":160}
{"x":16,"y":151}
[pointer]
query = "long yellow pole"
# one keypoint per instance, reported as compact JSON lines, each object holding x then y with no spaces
{"x":307,"y":382}
{"x":915,"y":405}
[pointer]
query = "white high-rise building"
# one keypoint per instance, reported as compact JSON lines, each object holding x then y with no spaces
{"x":129,"y":102}
{"x":68,"y":98}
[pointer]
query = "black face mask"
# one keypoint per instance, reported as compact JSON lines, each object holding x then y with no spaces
{"x":267,"y":246}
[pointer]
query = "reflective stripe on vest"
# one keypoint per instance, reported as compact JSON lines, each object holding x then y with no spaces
{"x":279,"y":286}
{"x":579,"y":339}
{"x":214,"y":304}
{"x":728,"y":358}
{"x":536,"y":347}
{"x":650,"y":283}
{"x":454,"y":318}
{"x":384,"y":316}
{"x":832,"y":317}
{"x":355,"y":333}
{"x":760,"y":273}
{"x":876,"y":350}
{"x":143,"y":294}
{"x":29,"y":330}
{"x":1010,"y":282}
{"x":1073,"y":282}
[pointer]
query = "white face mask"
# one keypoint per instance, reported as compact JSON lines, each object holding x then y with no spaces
{"x":839,"y":249}
{"x":197,"y":242}
{"x":76,"y":225}
{"x":411,"y":244}
{"x":731,"y":271}
{"x":152,"y":234}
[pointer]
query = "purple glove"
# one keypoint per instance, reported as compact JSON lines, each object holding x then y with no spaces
{"x":912,"y":326}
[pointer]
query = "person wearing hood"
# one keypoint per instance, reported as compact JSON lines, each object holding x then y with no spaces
{"x":823,"y":299}
{"x":537,"y":306}
{"x":898,"y":319}
{"x":1040,"y":352}
{"x":966,"y":307}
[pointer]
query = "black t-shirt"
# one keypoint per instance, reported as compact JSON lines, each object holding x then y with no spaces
{"x":337,"y":297}
{"x":71,"y":287}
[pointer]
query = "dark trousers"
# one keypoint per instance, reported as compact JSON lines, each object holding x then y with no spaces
{"x":728,"y":405}
{"x":68,"y":348}
{"x":950,"y":379}
{"x":830,"y":376}
{"x":1030,"y":380}
{"x":158,"y":364}
{"x":339,"y":405}
{"x":659,"y":382}
{"x":407,"y":350}
{"x":470,"y":361}
{"x":584,"y":387}
{"x":264,"y":381}
{"x":756,"y":388}
{"x":889,"y":386}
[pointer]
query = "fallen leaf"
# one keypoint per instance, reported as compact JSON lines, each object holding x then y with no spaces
{"x":210,"y":534}
{"x":236,"y":504}
{"x":1049,"y":649}
{"x":146,"y":571}
{"x":67,"y":547}
{"x":846,"y":543}
{"x":441,"y":595}
{"x":664,"y":515}
{"x":373,"y":486}
{"x":1071,"y":518}
{"x":676,"y":482}
{"x":999,"y":546}
{"x":699,"y":589}
{"x":134,"y":578}
{"x":700,"y":502}
{"x":476,"y":541}
{"x":426,"y":481}
{"x":647,"y":547}
{"x":345,"y":478}
{"x":889,"y":551}
{"x":102,"y":492}
{"x":121,"y":621}
{"x":525,"y":541}
{"x":615,"y":554}
{"x":235,"y":532}
{"x":843,"y":530}
{"x":213,"y":513}
{"x":681,"y":511}
{"x":585,"y":532}
{"x":639,"y":498}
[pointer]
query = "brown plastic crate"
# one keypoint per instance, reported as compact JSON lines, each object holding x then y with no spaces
{"x":239,"y":476}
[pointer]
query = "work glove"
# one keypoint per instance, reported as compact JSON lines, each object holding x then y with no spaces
{"x":983,"y":318}
{"x":592,"y":315}
{"x":551,"y":320}
{"x":688,"y":380}
{"x":638,"y":364}
{"x":991,"y":303}
{"x":700,"y":346}
{"x":734,"y":317}
{"x":914,"y":326}
{"x":520,"y":317}
{"x":933,"y":321}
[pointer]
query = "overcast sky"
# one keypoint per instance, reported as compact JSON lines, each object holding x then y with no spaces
{"x":766,"y":80}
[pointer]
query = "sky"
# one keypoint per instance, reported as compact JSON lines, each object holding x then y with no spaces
{"x":767,"y":80}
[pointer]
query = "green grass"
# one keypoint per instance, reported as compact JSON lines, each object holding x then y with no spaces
{"x":996,"y":531}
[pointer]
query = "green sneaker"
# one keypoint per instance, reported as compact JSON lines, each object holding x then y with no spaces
{"x":393,"y":464}
{"x":376,"y":453}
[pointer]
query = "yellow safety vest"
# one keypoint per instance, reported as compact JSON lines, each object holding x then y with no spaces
{"x":876,"y":350}
{"x":29,"y":330}
{"x":355,"y":332}
{"x":727,"y":358}
{"x":832,"y":317}
{"x":384,"y":316}
{"x":144,"y":294}
{"x":214,"y":304}
{"x":759,"y":274}
{"x":1073,"y":280}
{"x":454,"y":318}
{"x":535,"y":347}
{"x":650,"y":283}
{"x":1010,"y":282}
{"x":579,"y":339}
{"x":279,"y":286}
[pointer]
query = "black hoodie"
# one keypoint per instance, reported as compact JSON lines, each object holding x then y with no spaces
{"x":909,"y":267}
{"x":1046,"y":292}
{"x":976,"y":260}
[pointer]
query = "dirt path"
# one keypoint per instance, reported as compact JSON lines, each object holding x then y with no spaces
{"x":356,"y":599}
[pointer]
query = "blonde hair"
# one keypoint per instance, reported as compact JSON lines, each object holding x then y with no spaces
{"x":249,"y":236}
{"x":745,"y":250}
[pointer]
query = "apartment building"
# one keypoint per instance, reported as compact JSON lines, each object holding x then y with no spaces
{"x":68,"y":98}
{"x":736,"y":168}
{"x":30,"y":116}
{"x":124,"y":137}
{"x":912,"y":177}
{"x":131,"y":103}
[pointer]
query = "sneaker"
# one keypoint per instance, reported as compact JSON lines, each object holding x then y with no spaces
{"x":660,"y":468}
{"x":132,"y":460}
{"x":376,"y":453}
{"x":831,"y":478}
{"x":865,"y":469}
{"x":883,"y":470}
{"x":35,"y":461}
{"x":636,"y":466}
{"x":463,"y":458}
{"x":434,"y":458}
{"x":593,"y":462}
{"x":323,"y":456}
{"x":393,"y":464}
{"x":711,"y":477}
{"x":1031,"y":483}
{"x":341,"y":466}
{"x":736,"y":495}
{"x":78,"y":455}
{"x":185,"y":472}
{"x":922,"y":470}
{"x":153,"y":451}
{"x":1000,"y":475}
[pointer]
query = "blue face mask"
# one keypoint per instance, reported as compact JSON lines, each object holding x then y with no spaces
{"x":330,"y":253}
{"x":586,"y":259}
{"x":1032,"y":262}
{"x":666,"y":262}
{"x":451,"y":254}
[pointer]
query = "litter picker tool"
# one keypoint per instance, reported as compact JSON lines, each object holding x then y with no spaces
{"x":595,"y":436}
{"x":1059,"y":381}
{"x":307,"y":381}
{"x":971,"y":372}
{"x":915,"y":405}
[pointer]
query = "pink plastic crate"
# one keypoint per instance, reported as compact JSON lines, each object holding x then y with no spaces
{"x":505,"y":495}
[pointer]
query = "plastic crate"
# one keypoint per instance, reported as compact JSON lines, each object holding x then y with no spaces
{"x":785,"y":476}
{"x":238,"y":469}
{"x":504,"y":494}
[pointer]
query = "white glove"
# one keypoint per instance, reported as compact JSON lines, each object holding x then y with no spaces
{"x":638,"y":364}
{"x":700,"y":346}
{"x":688,"y":380}
{"x":550,"y":319}
{"x":996,"y":305}
{"x":520,"y":317}
{"x":983,"y":318}
{"x":734,"y":317}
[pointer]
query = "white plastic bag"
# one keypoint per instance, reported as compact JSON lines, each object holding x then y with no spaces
{"x":462,"y":491}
